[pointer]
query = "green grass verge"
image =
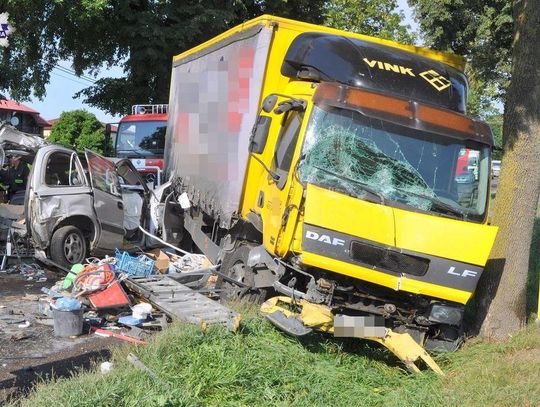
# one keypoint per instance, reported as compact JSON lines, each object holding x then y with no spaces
{"x":259,"y":366}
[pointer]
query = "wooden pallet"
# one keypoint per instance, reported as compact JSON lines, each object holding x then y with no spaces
{"x":182,"y":303}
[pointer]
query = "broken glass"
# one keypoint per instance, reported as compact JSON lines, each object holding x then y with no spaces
{"x":362,"y":156}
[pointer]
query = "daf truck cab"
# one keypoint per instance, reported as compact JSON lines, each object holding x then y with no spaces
{"x":342,"y":193}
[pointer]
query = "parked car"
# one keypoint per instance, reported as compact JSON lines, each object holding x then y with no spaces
{"x":466,"y":178}
{"x":495,"y":168}
{"x":77,"y":205}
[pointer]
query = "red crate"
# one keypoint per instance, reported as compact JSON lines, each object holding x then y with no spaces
{"x":111,"y":297}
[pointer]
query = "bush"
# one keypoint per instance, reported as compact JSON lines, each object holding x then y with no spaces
{"x":78,"y":129}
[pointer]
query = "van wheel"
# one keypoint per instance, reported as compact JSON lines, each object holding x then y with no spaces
{"x":234,"y":266}
{"x":68,"y":246}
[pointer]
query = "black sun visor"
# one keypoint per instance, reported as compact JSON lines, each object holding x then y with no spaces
{"x":358,"y":63}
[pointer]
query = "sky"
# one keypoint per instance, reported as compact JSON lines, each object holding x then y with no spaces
{"x":63,"y":86}
{"x":61,"y":89}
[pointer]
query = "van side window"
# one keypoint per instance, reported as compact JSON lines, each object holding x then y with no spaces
{"x":60,"y":167}
{"x":287,"y":141}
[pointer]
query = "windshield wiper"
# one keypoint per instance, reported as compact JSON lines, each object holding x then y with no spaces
{"x":132,"y":151}
{"x":363,"y":185}
{"x":437,"y":201}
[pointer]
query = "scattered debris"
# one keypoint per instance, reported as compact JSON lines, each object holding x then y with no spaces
{"x":26,"y":324}
{"x":29,"y":271}
{"x":127,"y":297}
{"x":20,"y":336}
{"x":135,"y":361}
{"x":106,"y":367}
{"x":107,"y":333}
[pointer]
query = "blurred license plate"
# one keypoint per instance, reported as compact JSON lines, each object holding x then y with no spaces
{"x":359,"y":327}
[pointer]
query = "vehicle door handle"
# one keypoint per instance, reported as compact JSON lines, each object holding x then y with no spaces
{"x":120,"y":205}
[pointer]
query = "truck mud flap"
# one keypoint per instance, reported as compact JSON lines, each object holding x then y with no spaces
{"x":289,"y":324}
{"x":286,"y":313}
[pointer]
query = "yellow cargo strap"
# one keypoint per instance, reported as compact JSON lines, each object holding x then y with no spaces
{"x":320,"y":317}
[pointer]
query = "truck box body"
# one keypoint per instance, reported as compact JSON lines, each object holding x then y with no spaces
{"x":216,"y":93}
{"x":214,"y":102}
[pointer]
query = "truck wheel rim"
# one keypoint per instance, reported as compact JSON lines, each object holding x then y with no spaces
{"x":237,"y":273}
{"x":73,"y":248}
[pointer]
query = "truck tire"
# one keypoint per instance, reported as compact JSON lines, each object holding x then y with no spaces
{"x":68,"y":246}
{"x":234,"y":265}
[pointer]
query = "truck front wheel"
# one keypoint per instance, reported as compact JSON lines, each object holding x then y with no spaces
{"x":234,"y":266}
{"x":68,"y":246}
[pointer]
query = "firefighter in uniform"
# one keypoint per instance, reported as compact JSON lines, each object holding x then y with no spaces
{"x":14,"y":177}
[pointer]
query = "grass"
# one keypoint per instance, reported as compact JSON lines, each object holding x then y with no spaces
{"x":259,"y":366}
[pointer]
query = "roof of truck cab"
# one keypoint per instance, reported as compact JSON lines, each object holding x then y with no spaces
{"x":143,"y":118}
{"x":452,"y":60}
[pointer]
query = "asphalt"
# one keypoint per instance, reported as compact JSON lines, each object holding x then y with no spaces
{"x":28,"y":354}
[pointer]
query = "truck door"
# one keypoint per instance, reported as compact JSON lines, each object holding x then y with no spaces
{"x":275,"y":187}
{"x":108,"y":202}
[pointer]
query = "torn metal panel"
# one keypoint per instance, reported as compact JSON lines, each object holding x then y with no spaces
{"x":10,"y":137}
{"x":182,"y":303}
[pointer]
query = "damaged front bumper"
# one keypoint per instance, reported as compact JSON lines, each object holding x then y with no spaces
{"x":300,"y":317}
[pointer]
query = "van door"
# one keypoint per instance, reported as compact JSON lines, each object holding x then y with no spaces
{"x":108,"y":202}
{"x":136,"y":197}
{"x":57,"y":188}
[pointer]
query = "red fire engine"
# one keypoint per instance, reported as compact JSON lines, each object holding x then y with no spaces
{"x":140,"y":137}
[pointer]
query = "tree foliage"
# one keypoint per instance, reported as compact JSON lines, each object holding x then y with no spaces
{"x":480,"y":30}
{"x":144,"y":35}
{"x":140,"y":35}
{"x":380,"y":18}
{"x":78,"y":129}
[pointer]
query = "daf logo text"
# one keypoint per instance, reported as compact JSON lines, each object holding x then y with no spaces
{"x":464,"y":273}
{"x":334,"y":241}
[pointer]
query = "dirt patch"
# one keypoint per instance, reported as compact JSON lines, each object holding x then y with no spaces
{"x":28,"y":347}
{"x":525,"y":355}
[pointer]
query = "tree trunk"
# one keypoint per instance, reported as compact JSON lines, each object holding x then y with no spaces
{"x":501,"y":295}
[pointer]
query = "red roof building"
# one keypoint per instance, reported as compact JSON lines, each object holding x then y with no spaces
{"x":22,"y":117}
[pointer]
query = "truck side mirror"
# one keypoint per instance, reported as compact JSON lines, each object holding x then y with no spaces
{"x":291,"y":104}
{"x":259,"y":135}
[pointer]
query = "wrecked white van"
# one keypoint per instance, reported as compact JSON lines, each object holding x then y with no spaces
{"x":77,"y":205}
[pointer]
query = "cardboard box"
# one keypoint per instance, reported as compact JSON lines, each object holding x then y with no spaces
{"x":162,"y":260}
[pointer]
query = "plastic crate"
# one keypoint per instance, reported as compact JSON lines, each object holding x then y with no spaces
{"x":141,"y":266}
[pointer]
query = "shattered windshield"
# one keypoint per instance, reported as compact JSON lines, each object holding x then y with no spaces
{"x":377,"y":160}
{"x":141,"y":138}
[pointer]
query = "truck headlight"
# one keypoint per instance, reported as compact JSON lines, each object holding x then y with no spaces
{"x":446,"y":314}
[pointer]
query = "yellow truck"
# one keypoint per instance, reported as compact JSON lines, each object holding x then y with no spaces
{"x":324,"y":169}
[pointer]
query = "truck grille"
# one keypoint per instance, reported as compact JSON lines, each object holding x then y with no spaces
{"x":389,"y":260}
